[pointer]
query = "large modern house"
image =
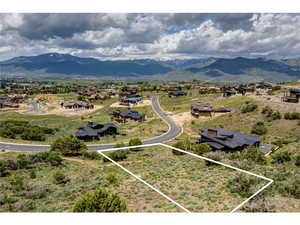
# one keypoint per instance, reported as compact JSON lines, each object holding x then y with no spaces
{"x":6,"y":102}
{"x":207,"y":110}
{"x":130,"y":100}
{"x":292,"y":95}
{"x":77,"y":105}
{"x":126,"y":114}
{"x":220,"y":139}
{"x":177,"y":93}
{"x":93,"y":131}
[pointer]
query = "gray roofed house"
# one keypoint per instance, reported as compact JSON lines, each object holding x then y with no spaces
{"x":93,"y":131}
{"x":207,"y":110}
{"x":219,"y":138}
{"x":177,"y":93}
{"x":123,"y":115}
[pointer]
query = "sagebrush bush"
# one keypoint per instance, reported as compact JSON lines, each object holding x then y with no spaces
{"x":200,"y":149}
{"x":297,"y":160}
{"x":116,"y":156}
{"x":135,"y":141}
{"x":3,"y":169}
{"x":281,"y":157}
{"x":60,"y":178}
{"x":248,"y":107}
{"x":91,"y":155}
{"x":292,"y":116}
{"x":100,"y":201}
{"x":253,"y":154}
{"x":68,"y":146}
{"x":242,"y":185}
{"x":259,"y":128}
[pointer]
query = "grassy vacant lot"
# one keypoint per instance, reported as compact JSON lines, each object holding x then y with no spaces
{"x":41,"y":193}
{"x":183,"y":103}
{"x":187,"y":180}
{"x":154,"y":126}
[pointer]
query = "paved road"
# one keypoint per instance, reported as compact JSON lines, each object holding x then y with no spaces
{"x":174,"y":131}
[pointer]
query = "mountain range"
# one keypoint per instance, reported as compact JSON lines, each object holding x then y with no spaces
{"x":238,"y":69}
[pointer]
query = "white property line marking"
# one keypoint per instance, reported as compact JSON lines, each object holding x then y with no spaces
{"x":149,"y":185}
{"x":192,"y":154}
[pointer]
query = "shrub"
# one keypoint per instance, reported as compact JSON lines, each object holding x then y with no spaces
{"x":217,"y":156}
{"x":17,"y":182}
{"x":33,"y":135}
{"x":297,"y":160}
{"x":275,"y":116}
{"x":281,"y":157}
{"x":68,"y":146}
{"x":3,"y":169}
{"x":242,"y":185}
{"x":116,"y":156}
{"x":37,"y":191}
{"x":292,"y":116}
{"x":135,"y":141}
{"x":91,"y":155}
{"x":280,"y":142}
{"x":293,"y":187}
{"x":120,"y":145}
{"x":60,"y":178}
{"x":258,"y":205}
{"x":54,"y":159}
{"x":200,"y":149}
{"x":248,"y":107}
{"x":32,"y":174}
{"x":112,"y":178}
{"x":7,"y":133}
{"x":267,"y":110}
{"x":253,"y":154}
{"x":100,"y":201}
{"x":259,"y":128}
{"x":181,"y":145}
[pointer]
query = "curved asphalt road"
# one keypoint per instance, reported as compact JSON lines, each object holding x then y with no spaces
{"x":174,"y":131}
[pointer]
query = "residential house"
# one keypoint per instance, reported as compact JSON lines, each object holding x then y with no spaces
{"x":221,"y":139}
{"x":292,"y":96}
{"x":207,"y":110}
{"x":77,"y":105}
{"x":130,"y":100}
{"x":93,"y":131}
{"x":126,"y":114}
{"x":177,"y":93}
{"x":6,"y":102}
{"x":229,"y":92}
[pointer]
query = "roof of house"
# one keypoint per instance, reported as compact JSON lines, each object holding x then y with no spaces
{"x":295,"y":90}
{"x":229,"y":139}
{"x":78,"y":103}
{"x":92,"y":129}
{"x":178,"y":93}
{"x":126,"y":113}
{"x":131,"y":99}
{"x":230,"y":91}
{"x":202,"y":107}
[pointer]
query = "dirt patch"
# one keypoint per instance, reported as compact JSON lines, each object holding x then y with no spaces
{"x":140,"y":104}
{"x":181,"y":118}
{"x":56,"y":109}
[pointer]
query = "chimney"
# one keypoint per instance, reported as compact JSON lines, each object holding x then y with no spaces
{"x":212,"y":132}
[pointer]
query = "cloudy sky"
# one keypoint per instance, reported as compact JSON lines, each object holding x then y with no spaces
{"x":159,"y":36}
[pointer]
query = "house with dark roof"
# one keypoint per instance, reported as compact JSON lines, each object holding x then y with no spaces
{"x":93,"y":131}
{"x":7,"y":102}
{"x":207,"y":110}
{"x":229,"y":92}
{"x":177,"y":93}
{"x":292,"y":95}
{"x":201,"y":110}
{"x":77,"y":105}
{"x":221,"y":139}
{"x":126,"y":114}
{"x":130,"y":100}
